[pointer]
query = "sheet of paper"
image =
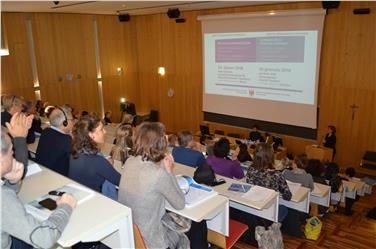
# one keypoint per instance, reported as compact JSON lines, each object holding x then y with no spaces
{"x":258,"y":194}
{"x":33,"y":169}
{"x":294,"y":187}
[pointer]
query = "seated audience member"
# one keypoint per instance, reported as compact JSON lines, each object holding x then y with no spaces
{"x":185,"y":154}
{"x":19,"y":229}
{"x":172,"y":140}
{"x":262,"y":173}
{"x":298,"y":174}
{"x":87,"y":165}
{"x":123,"y":147}
{"x":255,"y":136}
{"x":48,"y":110}
{"x":54,"y":147}
{"x":316,"y":169}
{"x":332,"y":176}
{"x":244,"y":155}
{"x":221,"y":164}
{"x":84,"y":113}
{"x":39,"y":108}
{"x":127,"y":119}
{"x":148,"y":182}
{"x":107,"y":118}
{"x":17,"y":127}
{"x":36,"y":125}
{"x":11,"y":105}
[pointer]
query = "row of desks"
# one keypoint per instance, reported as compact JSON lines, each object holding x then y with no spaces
{"x":269,"y":209}
{"x":216,"y":213}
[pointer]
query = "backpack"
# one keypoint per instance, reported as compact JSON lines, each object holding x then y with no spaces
{"x":204,"y":174}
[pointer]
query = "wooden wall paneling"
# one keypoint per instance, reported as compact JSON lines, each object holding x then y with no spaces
{"x":149,"y":59}
{"x":64,"y":44}
{"x":117,"y":45}
{"x":16,"y":74}
{"x":347,"y":71}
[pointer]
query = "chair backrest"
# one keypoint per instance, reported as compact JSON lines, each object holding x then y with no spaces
{"x":370,"y":156}
{"x":314,"y":152}
{"x":219,"y":132}
{"x":236,"y":135}
{"x":139,"y":242}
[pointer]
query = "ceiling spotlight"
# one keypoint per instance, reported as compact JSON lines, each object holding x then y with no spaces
{"x":173,"y":13}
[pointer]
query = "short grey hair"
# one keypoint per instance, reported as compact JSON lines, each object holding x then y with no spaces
{"x":57,"y":118}
{"x":5,"y":143}
{"x":184,"y":138}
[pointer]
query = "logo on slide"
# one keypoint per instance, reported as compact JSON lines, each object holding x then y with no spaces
{"x":251,"y":92}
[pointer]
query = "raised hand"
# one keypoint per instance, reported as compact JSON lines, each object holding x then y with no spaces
{"x":19,"y":124}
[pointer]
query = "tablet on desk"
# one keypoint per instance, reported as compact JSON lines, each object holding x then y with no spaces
{"x":243,"y":188}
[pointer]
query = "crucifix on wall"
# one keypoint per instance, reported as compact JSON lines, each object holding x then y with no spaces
{"x":354,"y":109}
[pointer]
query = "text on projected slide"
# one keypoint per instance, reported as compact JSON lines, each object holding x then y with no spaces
{"x":278,"y":66}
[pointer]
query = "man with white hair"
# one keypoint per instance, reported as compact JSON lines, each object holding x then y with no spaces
{"x":20,"y":230}
{"x":54,"y":146}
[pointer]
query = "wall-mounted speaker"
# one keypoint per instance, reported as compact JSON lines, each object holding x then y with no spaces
{"x":124,"y":17}
{"x":173,"y":13}
{"x":330,"y":4}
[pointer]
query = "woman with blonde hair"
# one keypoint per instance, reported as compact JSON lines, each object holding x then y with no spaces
{"x":123,"y":145}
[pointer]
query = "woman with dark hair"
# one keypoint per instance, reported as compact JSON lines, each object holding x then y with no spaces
{"x":262,"y":173}
{"x":147,"y":183}
{"x":244,"y":155}
{"x":87,"y":165}
{"x":107,"y":118}
{"x":330,"y":139}
{"x":316,"y":169}
{"x":221,"y":164}
{"x":36,"y":125}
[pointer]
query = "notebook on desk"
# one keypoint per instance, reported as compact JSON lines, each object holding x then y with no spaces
{"x":194,"y":193}
{"x":42,"y":207}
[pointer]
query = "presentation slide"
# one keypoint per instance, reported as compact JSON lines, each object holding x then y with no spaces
{"x":273,"y":65}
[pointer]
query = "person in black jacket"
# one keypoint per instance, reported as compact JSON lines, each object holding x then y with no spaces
{"x":255,"y":136}
{"x":36,"y":125}
{"x":331,"y":139}
{"x":54,"y":146}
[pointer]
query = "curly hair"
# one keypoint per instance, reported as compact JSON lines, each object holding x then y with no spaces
{"x":149,"y":141}
{"x":82,"y":142}
{"x":263,"y":157}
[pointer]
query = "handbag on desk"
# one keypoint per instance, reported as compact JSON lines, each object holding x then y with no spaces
{"x":204,"y":174}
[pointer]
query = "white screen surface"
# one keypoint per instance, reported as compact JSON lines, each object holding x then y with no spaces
{"x":263,"y":67}
{"x":278,"y":66}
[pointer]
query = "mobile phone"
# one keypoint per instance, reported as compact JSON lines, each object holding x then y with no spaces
{"x":48,"y":203}
{"x":56,"y":193}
